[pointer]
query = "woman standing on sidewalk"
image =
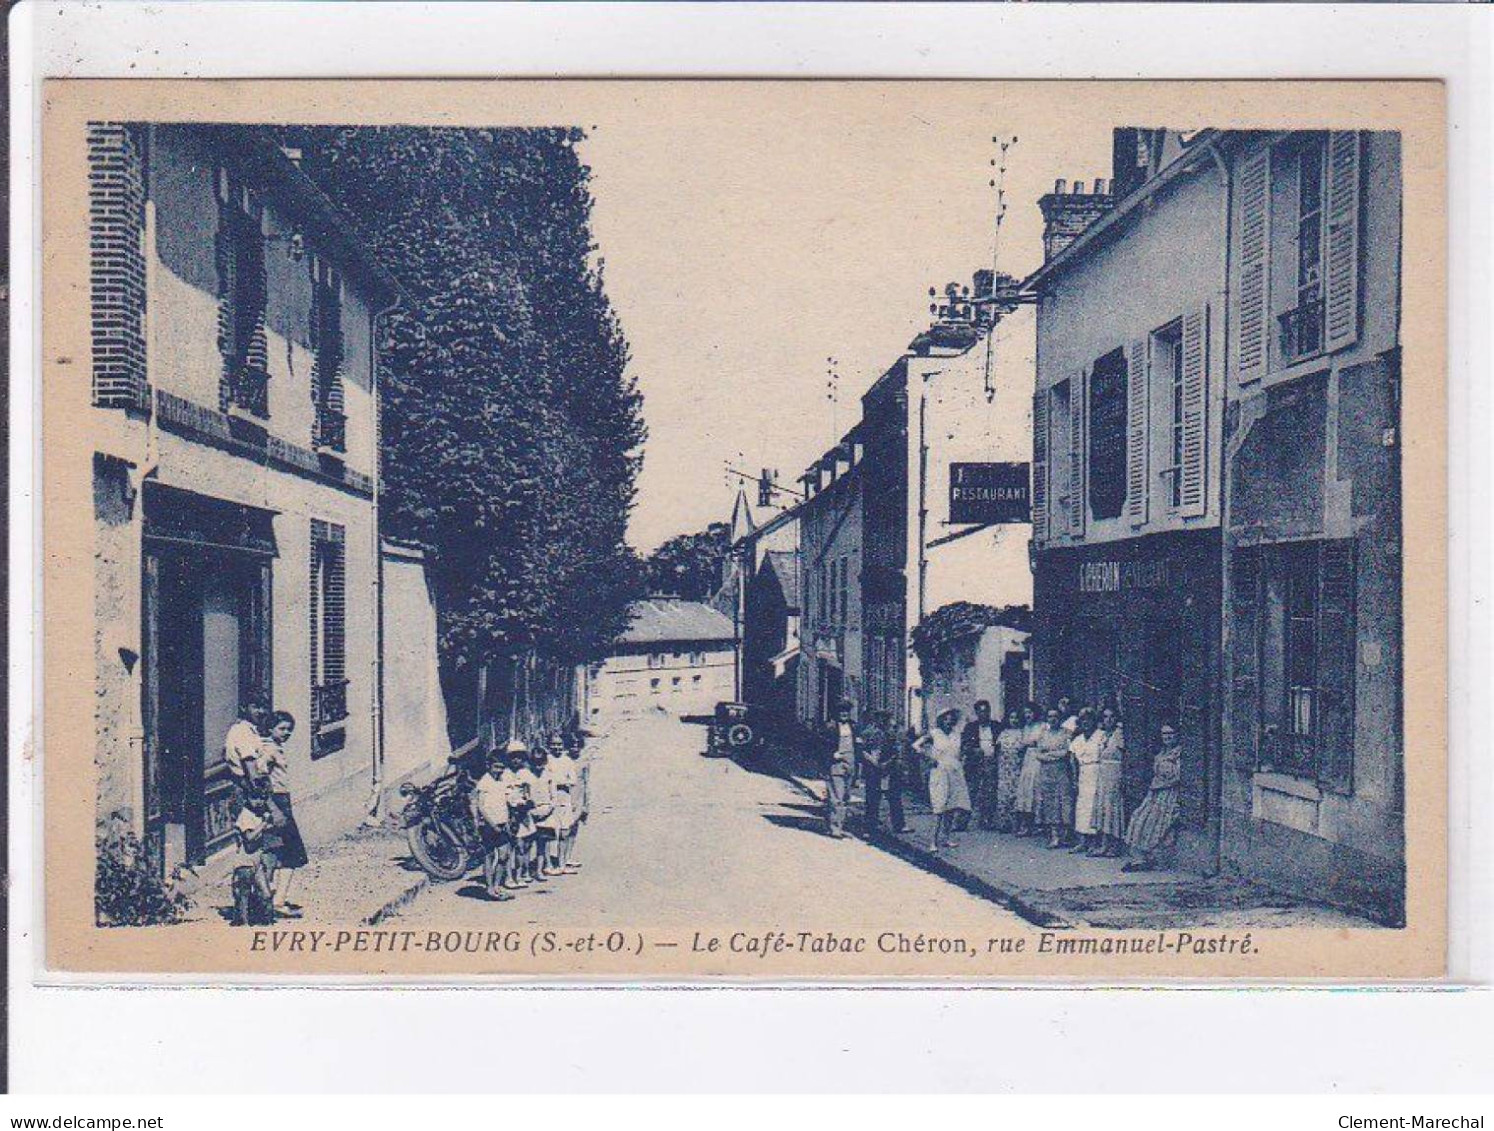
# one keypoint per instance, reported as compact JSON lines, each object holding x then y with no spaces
{"x":1109,"y":818}
{"x":1011,"y":745}
{"x":1155,"y":821}
{"x":1054,"y":804}
{"x":1085,"y":747}
{"x":283,"y":838}
{"x":1027,"y":776}
{"x":949,"y":793}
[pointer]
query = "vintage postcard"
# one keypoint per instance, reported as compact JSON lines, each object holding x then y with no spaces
{"x":759,"y":531}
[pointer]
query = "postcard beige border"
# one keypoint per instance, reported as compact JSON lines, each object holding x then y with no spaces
{"x":74,"y":944}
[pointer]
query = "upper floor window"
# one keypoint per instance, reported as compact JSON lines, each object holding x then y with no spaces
{"x":1302,"y":323}
{"x":330,"y":422}
{"x":242,"y":290}
{"x":1107,"y":435}
{"x":1296,"y":254}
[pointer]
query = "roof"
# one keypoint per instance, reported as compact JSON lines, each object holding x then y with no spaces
{"x":253,"y":151}
{"x":785,"y":565}
{"x":661,"y":620}
{"x":1199,"y":147}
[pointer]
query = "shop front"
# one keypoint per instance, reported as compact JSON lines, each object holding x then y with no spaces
{"x":1136,"y":622}
{"x":206,"y":649}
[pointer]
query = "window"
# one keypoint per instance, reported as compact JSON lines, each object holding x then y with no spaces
{"x":656,"y":659}
{"x":1175,"y":352}
{"x":843,"y":590}
{"x":1060,"y":465}
{"x":242,"y":287}
{"x":1293,"y":606}
{"x":329,"y":422}
{"x":1107,"y":435}
{"x":695,"y":679}
{"x":328,"y":612}
{"x":1168,"y":350}
{"x":1302,"y":324}
{"x":653,"y":685}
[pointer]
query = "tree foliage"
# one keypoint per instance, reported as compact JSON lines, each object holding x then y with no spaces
{"x":512,"y":431}
{"x":961,"y":619}
{"x":689,"y":565}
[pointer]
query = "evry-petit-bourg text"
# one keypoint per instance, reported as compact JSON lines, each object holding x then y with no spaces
{"x":761,"y":944}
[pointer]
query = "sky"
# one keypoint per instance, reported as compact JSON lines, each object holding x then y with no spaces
{"x":751,"y":231}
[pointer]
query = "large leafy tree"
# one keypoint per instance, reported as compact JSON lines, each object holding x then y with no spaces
{"x":512,"y":429}
{"x":689,"y":565}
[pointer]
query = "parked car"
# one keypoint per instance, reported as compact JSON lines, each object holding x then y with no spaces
{"x":732,"y":730}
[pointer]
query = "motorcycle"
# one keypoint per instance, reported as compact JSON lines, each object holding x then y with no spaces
{"x":440,"y":825}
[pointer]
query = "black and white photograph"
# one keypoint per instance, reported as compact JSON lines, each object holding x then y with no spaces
{"x":752,"y":530}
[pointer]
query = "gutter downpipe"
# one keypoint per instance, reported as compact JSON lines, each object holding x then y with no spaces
{"x":1216,"y":788}
{"x":376,"y":784}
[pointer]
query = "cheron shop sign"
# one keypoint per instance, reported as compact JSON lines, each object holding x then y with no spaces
{"x":1121,"y":577}
{"x":987,"y":493}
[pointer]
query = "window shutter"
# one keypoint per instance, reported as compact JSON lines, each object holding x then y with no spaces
{"x":1040,"y":466}
{"x":1244,"y":695}
{"x":1078,"y":401}
{"x":1252,"y":278}
{"x":1341,"y":269}
{"x":1194,"y":470}
{"x":1137,"y":403}
{"x":1335,"y":662}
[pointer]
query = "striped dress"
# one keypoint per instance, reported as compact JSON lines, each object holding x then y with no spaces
{"x":1156,"y":818}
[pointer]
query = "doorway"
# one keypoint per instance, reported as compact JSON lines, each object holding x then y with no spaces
{"x":207,"y":649}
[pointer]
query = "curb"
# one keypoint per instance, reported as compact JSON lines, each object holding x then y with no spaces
{"x":1010,"y":898}
{"x":398,"y":903}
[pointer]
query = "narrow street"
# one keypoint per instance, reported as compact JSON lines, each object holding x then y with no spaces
{"x":678,"y":839}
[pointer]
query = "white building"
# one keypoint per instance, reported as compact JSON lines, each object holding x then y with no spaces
{"x":676,"y":657}
{"x":235,"y":417}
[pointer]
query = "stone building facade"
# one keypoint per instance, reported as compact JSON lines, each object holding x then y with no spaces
{"x":235,"y":421}
{"x":831,"y":562}
{"x":1313,"y":783}
{"x":1126,"y":491}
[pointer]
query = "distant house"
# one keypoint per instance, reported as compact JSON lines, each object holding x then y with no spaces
{"x":830,"y":564}
{"x":676,"y":657}
{"x":770,"y":634}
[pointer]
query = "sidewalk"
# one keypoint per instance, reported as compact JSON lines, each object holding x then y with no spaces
{"x":1055,"y":888}
{"x":359,"y":879}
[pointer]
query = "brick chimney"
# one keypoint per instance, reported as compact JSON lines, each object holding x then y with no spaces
{"x":1066,"y":213}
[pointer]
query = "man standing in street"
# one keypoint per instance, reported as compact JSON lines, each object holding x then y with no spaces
{"x":882,"y":772}
{"x":978,"y":752}
{"x":841,"y":770}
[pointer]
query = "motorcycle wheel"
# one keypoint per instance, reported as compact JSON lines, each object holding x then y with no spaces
{"x":437,"y":851}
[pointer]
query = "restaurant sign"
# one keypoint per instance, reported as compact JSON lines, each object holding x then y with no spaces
{"x":989,"y":493}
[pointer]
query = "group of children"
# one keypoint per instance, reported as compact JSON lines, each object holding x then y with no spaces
{"x":530,"y":806}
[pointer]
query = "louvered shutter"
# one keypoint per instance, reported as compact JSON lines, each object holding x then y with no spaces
{"x":1244,"y":687}
{"x":1335,"y":665}
{"x":1193,"y":473}
{"x":1341,"y":266}
{"x":1078,"y":402}
{"x":1252,"y":261}
{"x":1040,"y":466}
{"x":1138,"y":395}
